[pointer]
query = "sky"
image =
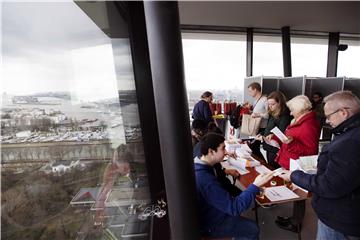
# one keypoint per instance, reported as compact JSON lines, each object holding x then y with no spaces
{"x":57,"y":47}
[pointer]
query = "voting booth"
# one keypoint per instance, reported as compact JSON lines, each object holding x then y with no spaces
{"x":352,"y":84}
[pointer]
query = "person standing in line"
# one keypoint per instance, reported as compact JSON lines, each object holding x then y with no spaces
{"x":336,"y":185}
{"x":202,"y":109}
{"x":219,"y":212}
{"x":259,"y":110}
{"x":279,"y":116}
{"x":303,"y":140}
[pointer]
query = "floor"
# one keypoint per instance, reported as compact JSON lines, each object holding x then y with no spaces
{"x":268,"y":228}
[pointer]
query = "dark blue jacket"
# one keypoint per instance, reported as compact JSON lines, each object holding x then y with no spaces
{"x":214,"y":202}
{"x":336,"y":186}
{"x":202,"y":111}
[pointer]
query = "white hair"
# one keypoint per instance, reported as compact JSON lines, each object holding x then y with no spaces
{"x":299,"y":104}
{"x":344,"y":99}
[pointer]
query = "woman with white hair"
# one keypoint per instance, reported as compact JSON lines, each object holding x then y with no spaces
{"x":303,"y":140}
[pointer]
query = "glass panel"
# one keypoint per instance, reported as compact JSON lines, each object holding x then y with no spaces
{"x":216,"y":63}
{"x":309,"y":56}
{"x":267,"y":56}
{"x":73,"y":164}
{"x":348,"y":62}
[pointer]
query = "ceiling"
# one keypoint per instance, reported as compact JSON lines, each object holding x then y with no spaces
{"x":335,"y":16}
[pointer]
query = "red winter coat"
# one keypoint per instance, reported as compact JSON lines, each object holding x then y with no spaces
{"x":305,"y":133}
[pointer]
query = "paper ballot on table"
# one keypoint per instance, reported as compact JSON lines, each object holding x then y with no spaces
{"x":279,"y":193}
{"x":262,"y":169}
{"x":227,"y":165}
{"x":279,"y":134}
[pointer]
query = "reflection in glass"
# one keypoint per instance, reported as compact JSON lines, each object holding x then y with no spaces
{"x":73,"y":165}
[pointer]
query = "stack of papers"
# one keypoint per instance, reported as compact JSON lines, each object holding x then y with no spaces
{"x":279,"y":193}
{"x":241,"y":171}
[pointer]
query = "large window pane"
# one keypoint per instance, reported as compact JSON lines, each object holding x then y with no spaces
{"x":309,"y":56}
{"x":214,"y":62}
{"x":348,"y":61}
{"x":267,"y":56}
{"x":73,"y":164}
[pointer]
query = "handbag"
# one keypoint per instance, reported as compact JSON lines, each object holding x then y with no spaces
{"x":250,"y":126}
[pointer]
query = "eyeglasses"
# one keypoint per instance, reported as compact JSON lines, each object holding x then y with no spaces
{"x":329,"y":115}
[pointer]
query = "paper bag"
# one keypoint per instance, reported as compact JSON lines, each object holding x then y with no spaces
{"x":250,"y":126}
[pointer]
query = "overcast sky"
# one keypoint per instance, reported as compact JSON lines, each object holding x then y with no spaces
{"x":56,"y":47}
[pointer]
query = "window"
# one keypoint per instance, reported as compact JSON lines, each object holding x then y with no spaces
{"x":348,"y":60}
{"x":309,"y":56}
{"x":267,"y":56}
{"x":71,"y":147}
{"x":214,"y":62}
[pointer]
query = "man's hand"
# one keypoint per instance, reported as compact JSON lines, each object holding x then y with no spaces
{"x":285,"y":174}
{"x":262,"y":179}
{"x":255,"y":115}
{"x":232,"y":172}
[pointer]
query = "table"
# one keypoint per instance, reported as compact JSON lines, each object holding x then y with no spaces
{"x":245,"y":180}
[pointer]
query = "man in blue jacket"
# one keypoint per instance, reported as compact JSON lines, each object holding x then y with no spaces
{"x":202,"y":109}
{"x":336,"y":185}
{"x":219,"y":212}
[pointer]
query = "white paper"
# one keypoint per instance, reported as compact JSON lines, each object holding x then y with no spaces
{"x":279,"y":193}
{"x":241,"y":171}
{"x":279,"y":134}
{"x":272,"y":142}
{"x":262,"y":169}
{"x":306,"y":164}
{"x":277,"y":171}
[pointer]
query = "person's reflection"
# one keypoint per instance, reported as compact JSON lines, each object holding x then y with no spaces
{"x":116,"y":167}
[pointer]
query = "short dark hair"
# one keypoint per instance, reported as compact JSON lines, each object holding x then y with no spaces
{"x":212,"y":141}
{"x":212,"y":128}
{"x":198,"y":124}
{"x":255,"y":85}
{"x":206,"y":94}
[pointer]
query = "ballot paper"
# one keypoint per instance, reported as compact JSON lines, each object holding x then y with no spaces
{"x":306,"y":164}
{"x":278,"y":133}
{"x":262,"y":169}
{"x":227,"y":165}
{"x":279,"y":193}
{"x":272,"y":142}
{"x":277,"y":171}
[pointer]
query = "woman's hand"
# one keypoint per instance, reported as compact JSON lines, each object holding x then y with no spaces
{"x":269,"y":137}
{"x":289,"y":139}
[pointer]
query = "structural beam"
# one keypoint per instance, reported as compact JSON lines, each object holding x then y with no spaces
{"x":286,"y":48}
{"x":249,"y":52}
{"x":332,"y":60}
{"x":172,"y":112}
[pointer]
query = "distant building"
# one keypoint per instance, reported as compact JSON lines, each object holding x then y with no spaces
{"x":63,"y":166}
{"x":23,"y":134}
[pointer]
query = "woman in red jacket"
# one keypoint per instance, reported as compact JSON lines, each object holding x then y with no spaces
{"x":303,"y":132}
{"x":303,"y":140}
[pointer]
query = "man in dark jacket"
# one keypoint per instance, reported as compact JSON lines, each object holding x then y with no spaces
{"x":219,"y":212}
{"x":336,"y":185}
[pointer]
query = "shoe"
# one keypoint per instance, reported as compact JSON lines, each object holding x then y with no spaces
{"x":287,"y":226}
{"x":283,"y":219}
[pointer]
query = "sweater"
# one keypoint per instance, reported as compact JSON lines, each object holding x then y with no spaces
{"x":214,"y":202}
